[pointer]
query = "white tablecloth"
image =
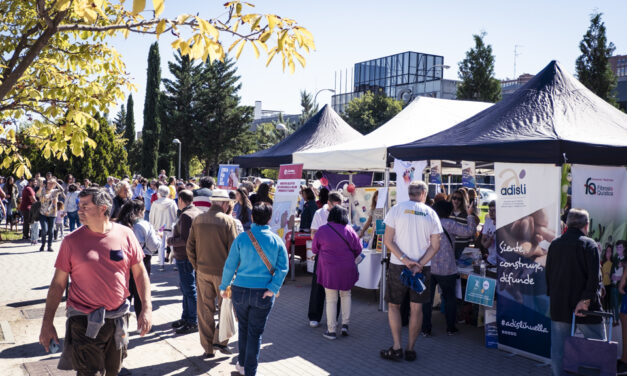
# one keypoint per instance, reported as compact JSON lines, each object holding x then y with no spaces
{"x":369,"y":270}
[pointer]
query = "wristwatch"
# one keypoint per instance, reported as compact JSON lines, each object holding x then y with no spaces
{"x":402,"y":257}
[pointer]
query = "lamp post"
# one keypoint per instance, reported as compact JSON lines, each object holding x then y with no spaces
{"x":320,"y":91}
{"x":178,"y":142}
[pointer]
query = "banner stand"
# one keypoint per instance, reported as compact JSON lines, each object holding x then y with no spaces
{"x":544,"y":362}
{"x":384,"y":252}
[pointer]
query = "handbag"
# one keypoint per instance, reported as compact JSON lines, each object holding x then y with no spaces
{"x":228,"y":326}
{"x":261,"y":254}
{"x":590,"y":356}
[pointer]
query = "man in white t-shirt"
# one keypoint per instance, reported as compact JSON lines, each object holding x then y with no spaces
{"x":488,"y":233}
{"x":412,"y":236}
{"x":317,"y":295}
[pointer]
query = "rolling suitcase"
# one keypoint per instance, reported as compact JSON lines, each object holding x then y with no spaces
{"x":590,"y":357}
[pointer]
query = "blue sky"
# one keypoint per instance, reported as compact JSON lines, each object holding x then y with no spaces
{"x":347,"y":32}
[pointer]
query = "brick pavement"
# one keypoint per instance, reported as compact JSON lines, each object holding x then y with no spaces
{"x":289,"y":346}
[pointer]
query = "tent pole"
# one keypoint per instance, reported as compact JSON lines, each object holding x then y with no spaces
{"x":293,"y":250}
{"x":382,"y":306}
{"x":350,"y":199}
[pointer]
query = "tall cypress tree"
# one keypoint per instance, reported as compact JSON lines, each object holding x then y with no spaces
{"x":151,"y":132}
{"x":593,"y":65}
{"x":129,"y":122}
{"x":120,"y":120}
{"x":477,"y":74}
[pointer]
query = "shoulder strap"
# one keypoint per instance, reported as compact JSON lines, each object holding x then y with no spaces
{"x":448,"y":236}
{"x":340,"y":235}
{"x":260,"y":252}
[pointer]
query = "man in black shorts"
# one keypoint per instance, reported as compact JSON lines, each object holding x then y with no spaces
{"x":412,"y":236}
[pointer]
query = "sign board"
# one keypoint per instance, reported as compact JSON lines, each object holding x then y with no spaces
{"x":228,"y":177}
{"x":480,"y":290}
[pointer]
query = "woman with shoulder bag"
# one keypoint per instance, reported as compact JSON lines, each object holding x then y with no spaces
{"x":337,"y":245}
{"x":260,"y":259}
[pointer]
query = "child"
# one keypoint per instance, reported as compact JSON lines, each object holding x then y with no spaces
{"x":58,"y":224}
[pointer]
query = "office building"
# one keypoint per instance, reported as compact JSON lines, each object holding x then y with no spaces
{"x":403,"y":76}
{"x":619,"y":67}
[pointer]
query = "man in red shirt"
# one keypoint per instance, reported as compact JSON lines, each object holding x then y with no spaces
{"x":98,"y":257}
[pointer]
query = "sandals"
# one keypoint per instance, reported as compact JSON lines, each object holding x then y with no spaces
{"x":410,"y":355}
{"x":391,"y":354}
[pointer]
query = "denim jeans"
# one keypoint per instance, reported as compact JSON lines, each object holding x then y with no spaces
{"x":74,"y":221}
{"x":187,"y":283}
{"x":449,"y":301}
{"x":47,"y":228}
{"x":252,"y":311}
{"x":560,"y":331}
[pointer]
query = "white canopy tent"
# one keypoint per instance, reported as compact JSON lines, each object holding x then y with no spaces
{"x":423,"y":117}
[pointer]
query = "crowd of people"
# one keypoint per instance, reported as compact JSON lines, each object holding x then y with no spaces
{"x":221,"y":246}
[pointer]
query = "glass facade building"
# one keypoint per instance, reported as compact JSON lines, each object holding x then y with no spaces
{"x":401,"y":76}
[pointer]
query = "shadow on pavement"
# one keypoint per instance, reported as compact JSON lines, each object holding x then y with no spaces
{"x":28,"y":350}
{"x":30,"y":302}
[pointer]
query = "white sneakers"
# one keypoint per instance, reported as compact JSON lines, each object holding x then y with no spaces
{"x":314,"y":324}
{"x":240,"y":369}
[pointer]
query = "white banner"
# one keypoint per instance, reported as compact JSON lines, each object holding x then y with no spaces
{"x":602,"y":191}
{"x":527,"y":218}
{"x":406,"y":172}
{"x":468,"y":174}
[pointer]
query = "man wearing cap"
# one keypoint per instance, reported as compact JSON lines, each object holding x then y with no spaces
{"x":208,"y":244}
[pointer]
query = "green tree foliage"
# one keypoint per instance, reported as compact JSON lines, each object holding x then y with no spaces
{"x":593,"y":65}
{"x":477,"y":74}
{"x":108,"y":159}
{"x":129,"y":121}
{"x":224,"y":132}
{"x":370,"y":111}
{"x":309,"y":108}
{"x":179,"y":108}
{"x":151,"y":132}
{"x":120,"y":120}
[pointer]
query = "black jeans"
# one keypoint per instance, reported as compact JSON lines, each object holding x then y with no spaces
{"x":447,"y":284}
{"x":47,"y":228}
{"x":26,"y":223}
{"x":132,"y":288}
{"x":317,"y":298}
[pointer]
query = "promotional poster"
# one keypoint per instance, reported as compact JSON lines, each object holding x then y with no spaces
{"x":406,"y":172}
{"x":435,"y":177}
{"x":285,"y":198}
{"x":527,"y":215}
{"x":468,"y":174}
{"x":228,"y":177}
{"x":602,"y":191}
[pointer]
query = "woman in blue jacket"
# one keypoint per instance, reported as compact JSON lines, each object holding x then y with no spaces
{"x":256,"y":284}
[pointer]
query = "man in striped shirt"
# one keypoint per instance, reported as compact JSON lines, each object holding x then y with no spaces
{"x":202,"y":195}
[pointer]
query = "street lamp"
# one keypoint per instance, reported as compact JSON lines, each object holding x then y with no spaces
{"x":320,"y":91}
{"x":178,"y":142}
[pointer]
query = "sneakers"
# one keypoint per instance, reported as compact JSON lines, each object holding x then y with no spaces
{"x":239,"y":369}
{"x":329,"y":335}
{"x":345,"y":330}
{"x":314,"y":324}
{"x":426,"y":333}
{"x":187,"y":328}
{"x":452,"y":332}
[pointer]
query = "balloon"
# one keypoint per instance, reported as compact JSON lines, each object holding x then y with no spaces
{"x":324,"y":182}
{"x":351,"y":188}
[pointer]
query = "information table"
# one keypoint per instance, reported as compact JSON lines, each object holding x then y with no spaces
{"x":369,"y":270}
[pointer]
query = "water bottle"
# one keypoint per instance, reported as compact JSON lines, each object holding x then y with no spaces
{"x":482,"y":268}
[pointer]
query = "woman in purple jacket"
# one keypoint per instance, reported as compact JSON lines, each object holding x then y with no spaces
{"x":337,"y":245}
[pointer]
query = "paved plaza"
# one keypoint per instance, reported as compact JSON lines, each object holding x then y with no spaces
{"x":289,"y":346}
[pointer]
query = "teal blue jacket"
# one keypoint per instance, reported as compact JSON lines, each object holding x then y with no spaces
{"x":251,"y":271}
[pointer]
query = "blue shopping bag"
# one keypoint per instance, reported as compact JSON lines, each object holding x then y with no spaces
{"x":590,"y":356}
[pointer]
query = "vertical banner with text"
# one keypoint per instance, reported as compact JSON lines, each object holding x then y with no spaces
{"x":468,"y":174}
{"x":435,"y":177}
{"x":285,"y":198}
{"x":602,"y":191}
{"x":228,"y":177}
{"x":527,"y":215}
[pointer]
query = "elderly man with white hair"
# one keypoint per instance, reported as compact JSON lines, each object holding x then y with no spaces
{"x":162,"y":217}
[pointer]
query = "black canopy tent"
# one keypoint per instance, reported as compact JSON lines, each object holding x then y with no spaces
{"x":551,"y":118}
{"x":326,"y":128}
